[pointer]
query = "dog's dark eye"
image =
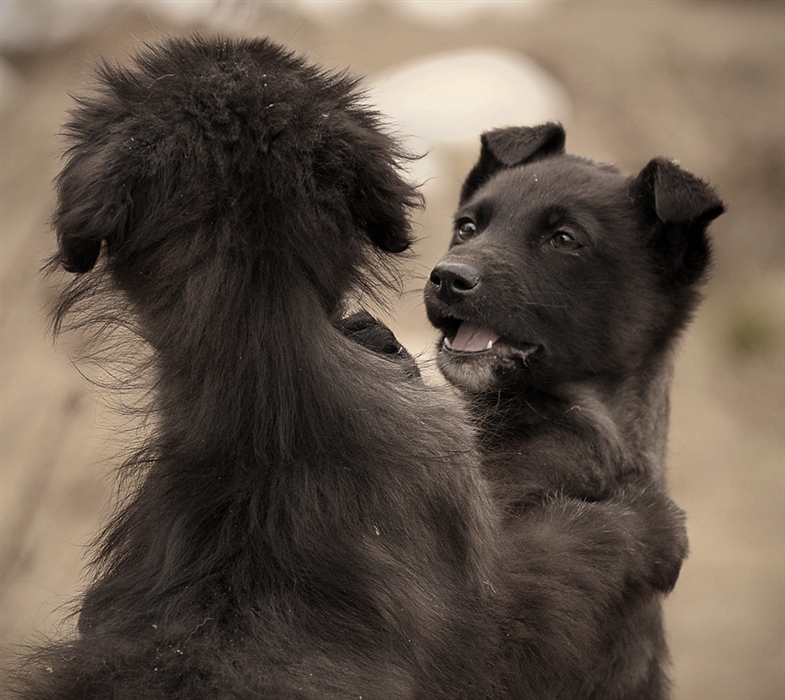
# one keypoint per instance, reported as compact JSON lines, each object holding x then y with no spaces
{"x":564,"y":240}
{"x":465,"y":229}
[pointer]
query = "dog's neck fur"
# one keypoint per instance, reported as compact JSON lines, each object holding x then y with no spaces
{"x":228,"y":418}
{"x":601,"y":430}
{"x":202,"y":384}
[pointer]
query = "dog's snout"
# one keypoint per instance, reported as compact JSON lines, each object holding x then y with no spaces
{"x":452,"y":280}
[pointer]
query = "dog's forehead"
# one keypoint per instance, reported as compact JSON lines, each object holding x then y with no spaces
{"x":555,"y":181}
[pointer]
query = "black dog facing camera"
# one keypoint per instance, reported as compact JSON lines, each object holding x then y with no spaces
{"x":560,"y":301}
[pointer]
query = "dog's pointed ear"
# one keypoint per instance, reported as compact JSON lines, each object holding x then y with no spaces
{"x":506,"y":148}
{"x":93,"y":203}
{"x":683,"y":207}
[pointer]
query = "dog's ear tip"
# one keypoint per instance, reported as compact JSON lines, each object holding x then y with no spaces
{"x":79,"y":257}
{"x":717,"y":208}
{"x":397,"y":245}
{"x":551,"y":128}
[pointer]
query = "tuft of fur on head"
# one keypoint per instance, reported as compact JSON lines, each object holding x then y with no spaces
{"x":201,"y":148}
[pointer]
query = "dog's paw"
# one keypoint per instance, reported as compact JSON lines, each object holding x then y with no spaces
{"x":372,"y":334}
{"x":662,"y":531}
{"x":671,"y":549}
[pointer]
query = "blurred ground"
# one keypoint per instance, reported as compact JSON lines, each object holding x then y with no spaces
{"x":703,"y":82}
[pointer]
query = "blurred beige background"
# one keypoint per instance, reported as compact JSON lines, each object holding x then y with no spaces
{"x":702,"y":82}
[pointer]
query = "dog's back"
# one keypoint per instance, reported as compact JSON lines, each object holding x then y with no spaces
{"x":308,"y":521}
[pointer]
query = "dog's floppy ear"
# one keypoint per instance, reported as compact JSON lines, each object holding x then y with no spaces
{"x":506,"y":148}
{"x":93,"y":203}
{"x":377,"y":194}
{"x":683,"y":206}
{"x":678,"y":196}
{"x":380,"y":205}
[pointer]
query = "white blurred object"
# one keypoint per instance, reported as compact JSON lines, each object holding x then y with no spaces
{"x":10,"y":84}
{"x":32,"y":26}
{"x":218,"y":15}
{"x":456,"y":12}
{"x":446,"y":101}
{"x":329,"y":11}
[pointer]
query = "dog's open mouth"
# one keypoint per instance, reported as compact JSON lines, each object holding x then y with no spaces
{"x":469,"y":338}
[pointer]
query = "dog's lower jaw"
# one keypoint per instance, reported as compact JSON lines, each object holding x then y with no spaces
{"x":472,"y":374}
{"x":482,"y":371}
{"x":478,"y":373}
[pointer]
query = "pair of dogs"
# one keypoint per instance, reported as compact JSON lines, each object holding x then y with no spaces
{"x":309,"y":519}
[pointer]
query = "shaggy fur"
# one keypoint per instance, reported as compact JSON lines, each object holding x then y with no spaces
{"x":308,"y":519}
{"x":560,"y":300}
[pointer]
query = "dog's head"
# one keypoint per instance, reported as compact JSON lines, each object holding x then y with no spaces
{"x":562,"y":269}
{"x":237,"y":151}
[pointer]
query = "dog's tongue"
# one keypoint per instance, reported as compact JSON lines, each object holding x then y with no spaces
{"x":472,"y":337}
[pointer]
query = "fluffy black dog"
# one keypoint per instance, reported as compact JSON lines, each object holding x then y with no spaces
{"x":560,"y":300}
{"x":308,"y":520}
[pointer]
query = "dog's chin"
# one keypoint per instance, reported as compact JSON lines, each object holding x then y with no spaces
{"x":480,"y":371}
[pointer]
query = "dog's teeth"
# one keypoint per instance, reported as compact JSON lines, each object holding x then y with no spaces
{"x":489,"y":345}
{"x":447,"y":343}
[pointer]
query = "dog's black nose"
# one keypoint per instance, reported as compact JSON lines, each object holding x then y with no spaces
{"x":452,"y":280}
